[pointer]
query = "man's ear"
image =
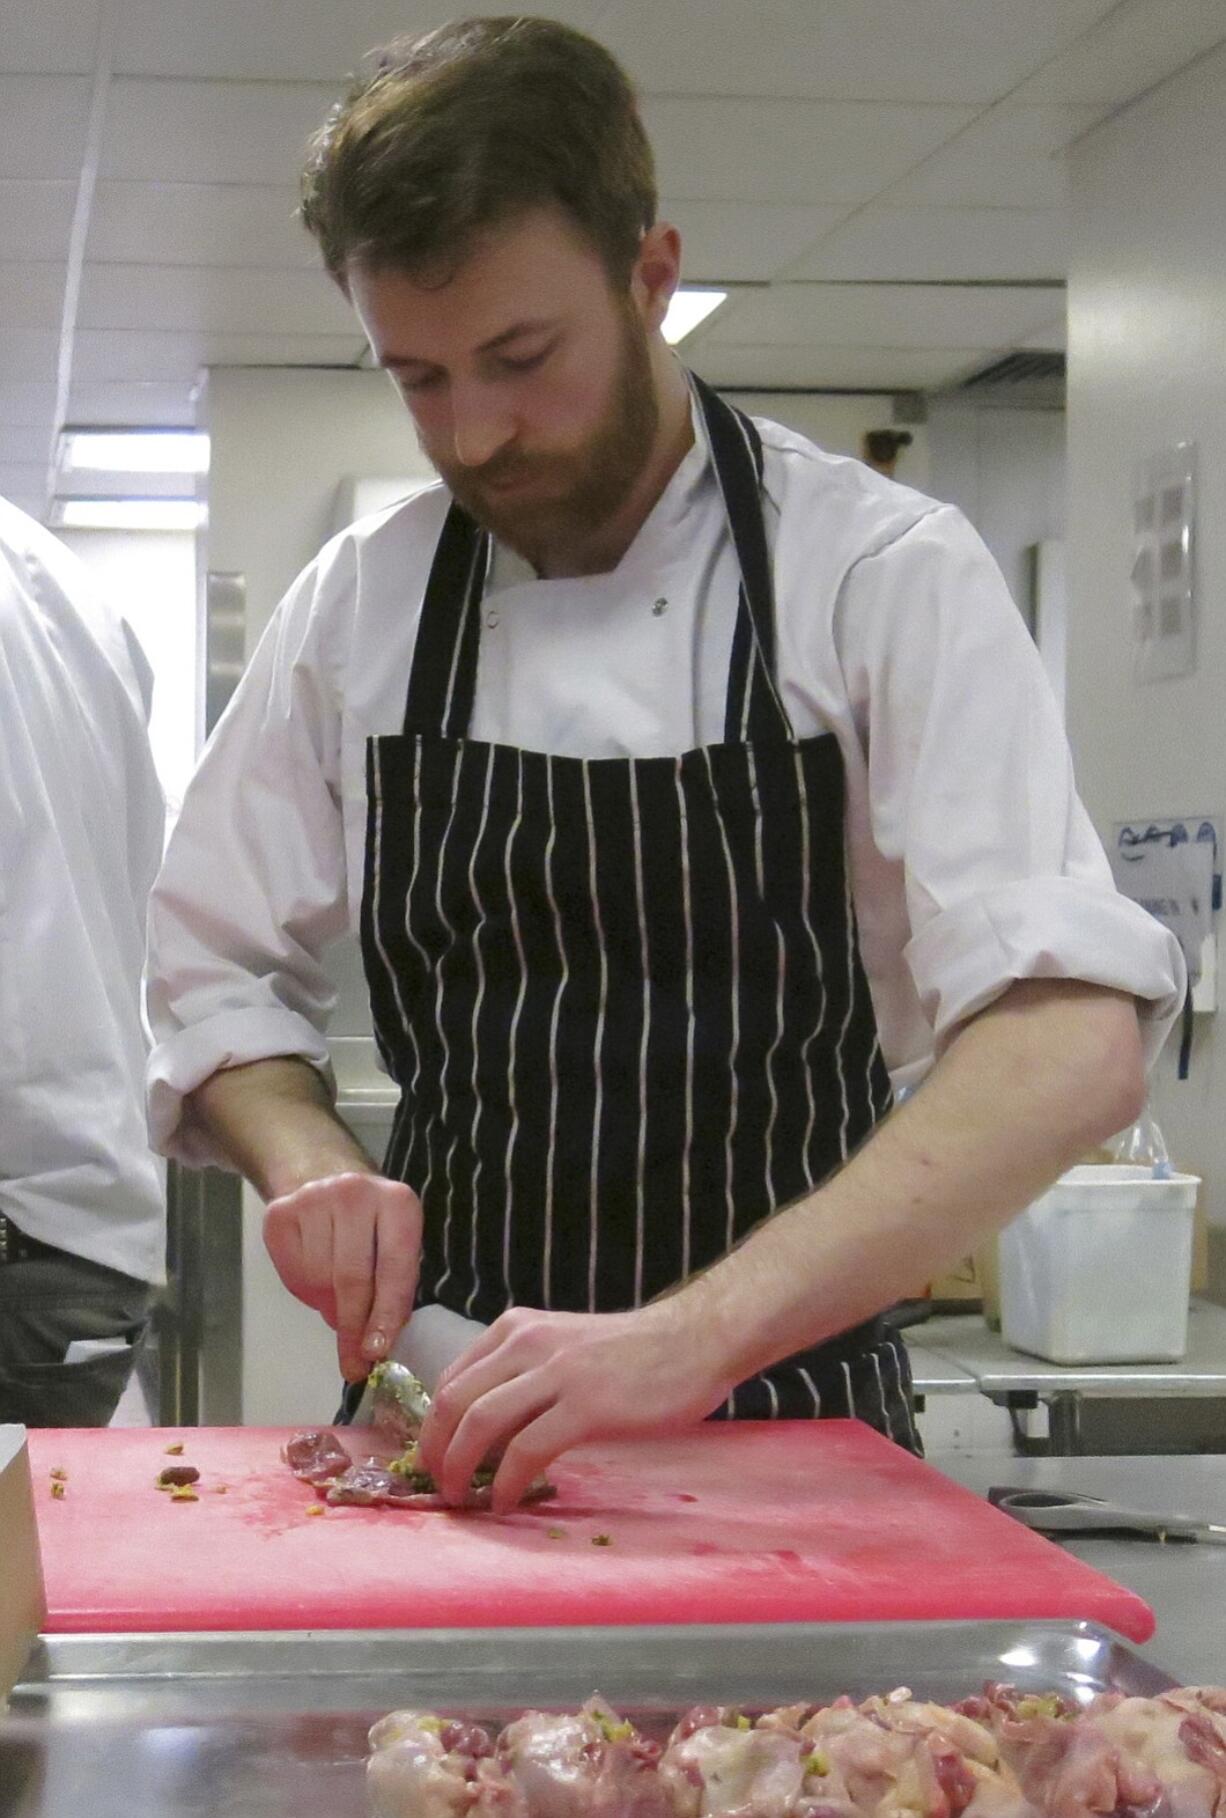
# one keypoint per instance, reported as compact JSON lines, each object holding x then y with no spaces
{"x":656,"y":273}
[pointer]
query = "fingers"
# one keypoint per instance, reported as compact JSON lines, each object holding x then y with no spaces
{"x":397,"y":1257}
{"x":353,"y":1281}
{"x":349,"y":1246}
{"x":532,"y":1451}
{"x":486,"y":1363}
{"x":490,"y":1422}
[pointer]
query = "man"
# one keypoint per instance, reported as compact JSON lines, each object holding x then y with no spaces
{"x":82,"y":1204}
{"x":685,"y":783}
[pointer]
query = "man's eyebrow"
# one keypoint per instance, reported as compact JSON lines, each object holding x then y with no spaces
{"x":508,"y":335}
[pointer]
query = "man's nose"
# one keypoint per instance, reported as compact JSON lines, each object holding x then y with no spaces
{"x":480,"y":426}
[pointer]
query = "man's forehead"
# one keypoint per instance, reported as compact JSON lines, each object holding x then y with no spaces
{"x":477,"y":306}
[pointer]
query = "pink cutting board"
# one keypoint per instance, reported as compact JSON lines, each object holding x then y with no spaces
{"x":789,"y":1521}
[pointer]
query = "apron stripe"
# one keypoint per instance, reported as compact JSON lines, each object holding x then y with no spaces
{"x":688,"y":921}
{"x":841,"y":1046}
{"x":735,"y":1006}
{"x":448,"y":941}
{"x":819,"y":1023}
{"x":780,"y":984}
{"x":640,"y":1159}
{"x":513,"y":1133}
{"x":809,"y":1383}
{"x":598,"y":1043}
{"x":554,"y":1014}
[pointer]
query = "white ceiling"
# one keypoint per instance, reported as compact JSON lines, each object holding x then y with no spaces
{"x":881,"y":182}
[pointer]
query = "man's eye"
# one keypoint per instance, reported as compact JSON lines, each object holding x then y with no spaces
{"x":526,"y":363}
{"x":427,"y":383}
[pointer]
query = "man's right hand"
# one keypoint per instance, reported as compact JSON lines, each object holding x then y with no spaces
{"x":349,"y":1245}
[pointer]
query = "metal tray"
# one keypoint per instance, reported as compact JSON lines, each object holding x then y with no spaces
{"x":274,"y":1725}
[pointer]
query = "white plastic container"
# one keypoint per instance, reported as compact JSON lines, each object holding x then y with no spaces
{"x":1099,"y":1269}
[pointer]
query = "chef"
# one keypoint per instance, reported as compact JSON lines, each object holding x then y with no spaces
{"x":688,"y":786}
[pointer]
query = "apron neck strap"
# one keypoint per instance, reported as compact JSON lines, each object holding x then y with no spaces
{"x":754,"y":709}
{"x":443,"y":678}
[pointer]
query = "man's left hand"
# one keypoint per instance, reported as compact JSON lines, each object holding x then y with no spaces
{"x":536,"y":1384}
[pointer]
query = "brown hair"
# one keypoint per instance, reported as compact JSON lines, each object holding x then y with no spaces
{"x":465,"y":128}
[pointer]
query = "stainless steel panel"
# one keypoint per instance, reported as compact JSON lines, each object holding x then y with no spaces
{"x":225,"y":641}
{"x":197,"y":1319}
{"x":274,"y":1726}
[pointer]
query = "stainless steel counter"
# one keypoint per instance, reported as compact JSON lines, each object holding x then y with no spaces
{"x":964,"y":1342}
{"x":1184,"y":1582}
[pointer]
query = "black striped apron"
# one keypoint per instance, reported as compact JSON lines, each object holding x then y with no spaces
{"x":622,"y":998}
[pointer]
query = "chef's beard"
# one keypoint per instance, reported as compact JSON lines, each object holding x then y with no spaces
{"x":568,"y":497}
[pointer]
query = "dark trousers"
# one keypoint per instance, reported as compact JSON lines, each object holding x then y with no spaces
{"x":49,"y":1301}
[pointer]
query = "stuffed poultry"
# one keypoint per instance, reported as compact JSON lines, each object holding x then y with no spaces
{"x":1002,"y":1755}
{"x":389,"y":1420}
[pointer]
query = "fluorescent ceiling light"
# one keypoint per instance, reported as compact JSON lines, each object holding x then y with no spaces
{"x":134,"y":451}
{"x":687,"y":309}
{"x":128,"y":514}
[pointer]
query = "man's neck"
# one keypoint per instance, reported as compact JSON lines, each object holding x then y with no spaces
{"x":600,"y":551}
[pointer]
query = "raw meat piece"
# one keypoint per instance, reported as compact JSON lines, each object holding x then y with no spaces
{"x":734,"y":1771}
{"x":423,"y":1767}
{"x":316,"y":1456}
{"x":590,"y":1765}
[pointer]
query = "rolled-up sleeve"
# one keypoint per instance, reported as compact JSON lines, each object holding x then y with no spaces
{"x":971,"y":789}
{"x":253,"y":886}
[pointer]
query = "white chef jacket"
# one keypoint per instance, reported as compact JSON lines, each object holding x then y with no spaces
{"x":81,"y":827}
{"x":973,"y":862}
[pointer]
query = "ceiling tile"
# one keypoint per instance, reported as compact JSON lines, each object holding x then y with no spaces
{"x":120,"y":354}
{"x":904,"y":50}
{"x":35,"y":218}
{"x":1133,"y":47}
{"x":198,"y":224}
{"x":214,"y":299}
{"x":823,"y":152}
{"x":283,"y":40}
{"x":48,"y":37}
{"x":31,"y":296}
{"x":943,"y":243}
{"x":885,"y":315}
{"x":29,"y":354}
{"x":23,"y":404}
{"x":210,"y":132}
{"x":835,"y":368}
{"x":743,"y":241}
{"x":165,"y":405}
{"x":1009,"y":158}
{"x":28,"y":446}
{"x":44,"y":126}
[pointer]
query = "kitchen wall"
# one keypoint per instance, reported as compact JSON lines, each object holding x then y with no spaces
{"x":836,"y":421}
{"x":1147,"y":368}
{"x":1006,"y":470}
{"x":283,"y":440}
